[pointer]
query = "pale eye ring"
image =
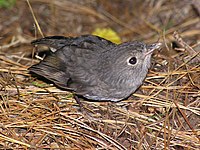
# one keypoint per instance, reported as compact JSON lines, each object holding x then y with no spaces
{"x":132,"y":61}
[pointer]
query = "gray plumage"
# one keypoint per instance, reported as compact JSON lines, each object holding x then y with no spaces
{"x":94,"y":67}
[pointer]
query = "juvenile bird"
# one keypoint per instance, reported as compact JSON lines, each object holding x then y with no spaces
{"x":94,"y":67}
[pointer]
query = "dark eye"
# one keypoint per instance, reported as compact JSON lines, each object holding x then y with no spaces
{"x":132,"y":61}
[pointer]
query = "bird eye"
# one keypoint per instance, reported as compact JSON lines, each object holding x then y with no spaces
{"x":132,"y":61}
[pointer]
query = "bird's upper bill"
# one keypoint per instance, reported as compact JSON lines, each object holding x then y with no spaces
{"x":152,"y":47}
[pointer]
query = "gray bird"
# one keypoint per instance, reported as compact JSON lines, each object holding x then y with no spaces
{"x":94,"y":67}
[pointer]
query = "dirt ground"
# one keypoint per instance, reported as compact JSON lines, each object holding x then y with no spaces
{"x":164,"y":113}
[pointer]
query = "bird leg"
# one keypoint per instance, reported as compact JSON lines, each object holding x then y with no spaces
{"x":79,"y":102}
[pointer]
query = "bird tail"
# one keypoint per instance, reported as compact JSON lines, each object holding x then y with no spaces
{"x":52,"y":67}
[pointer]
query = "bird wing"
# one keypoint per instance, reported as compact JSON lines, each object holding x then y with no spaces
{"x":74,"y":62}
{"x":84,"y":41}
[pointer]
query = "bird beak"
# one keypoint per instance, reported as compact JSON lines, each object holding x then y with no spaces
{"x":152,"y":47}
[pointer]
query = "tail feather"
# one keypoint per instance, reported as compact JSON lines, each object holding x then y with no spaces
{"x":53,"y":70}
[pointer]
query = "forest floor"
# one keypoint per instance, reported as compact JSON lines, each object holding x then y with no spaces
{"x":164,"y":113}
